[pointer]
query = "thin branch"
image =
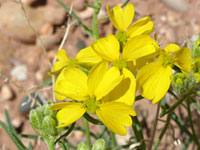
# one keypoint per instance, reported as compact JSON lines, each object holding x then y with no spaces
{"x":35,"y":32}
{"x":154,"y":127}
{"x":60,"y":47}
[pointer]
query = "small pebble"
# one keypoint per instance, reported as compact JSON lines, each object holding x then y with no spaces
{"x":19,"y":72}
{"x":176,"y":5}
{"x":81,"y":44}
{"x":47,"y":28}
{"x":6,"y":93}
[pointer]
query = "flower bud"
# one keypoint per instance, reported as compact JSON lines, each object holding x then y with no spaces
{"x":196,"y":70}
{"x":83,"y":146}
{"x":180,"y":83}
{"x":196,"y":49}
{"x":121,"y":36}
{"x":49,"y":126}
{"x":36,"y":118}
{"x":100,"y":144}
{"x":47,"y":111}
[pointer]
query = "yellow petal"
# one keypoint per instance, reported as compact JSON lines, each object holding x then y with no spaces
{"x":95,"y":76}
{"x":71,"y":113}
{"x":107,"y":48}
{"x":128,"y":15}
{"x":74,"y":84}
{"x":116,"y":116}
{"x":121,"y":19}
{"x":171,"y":48}
{"x":59,"y":105}
{"x":153,"y":80}
{"x":183,"y":59}
{"x":112,"y":18}
{"x":58,"y":95}
{"x":139,"y":46}
{"x":62,"y":60}
{"x":131,"y":67}
{"x":88,"y":56}
{"x":109,"y":81}
{"x":142,"y":26}
{"x":144,"y":60}
{"x":125,"y":91}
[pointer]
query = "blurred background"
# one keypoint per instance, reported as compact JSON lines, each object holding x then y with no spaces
{"x":24,"y":66}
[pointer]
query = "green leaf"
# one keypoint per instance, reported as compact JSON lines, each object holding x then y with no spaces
{"x":29,"y":136}
{"x":92,"y":120}
{"x":87,"y":30}
{"x":13,"y":136}
{"x":45,"y":83}
{"x":186,"y":143}
{"x":66,"y":134}
{"x":30,"y":146}
{"x":9,"y":121}
{"x":196,"y":105}
{"x":139,"y":97}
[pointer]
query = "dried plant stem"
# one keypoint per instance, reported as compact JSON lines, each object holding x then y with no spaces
{"x":60,"y":47}
{"x":35,"y":32}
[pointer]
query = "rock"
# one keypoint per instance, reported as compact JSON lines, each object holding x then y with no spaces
{"x":86,"y":14}
{"x":173,"y":21}
{"x":14,"y":24}
{"x":171,"y":35}
{"x":102,"y":13}
{"x":19,"y":72}
{"x":39,"y":75}
{"x":163,"y":18}
{"x":122,"y":140}
{"x":6,"y":93}
{"x":29,"y":2}
{"x":16,"y":122}
{"x":49,"y":41}
{"x":26,"y":104}
{"x":47,"y":28}
{"x":79,"y":4}
{"x":176,"y":5}
{"x":6,"y":50}
{"x":54,"y":15}
{"x":81,"y":44}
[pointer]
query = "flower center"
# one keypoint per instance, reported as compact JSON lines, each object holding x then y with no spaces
{"x":91,"y":105}
{"x":121,"y":36}
{"x":166,"y":60}
{"x":120,"y":63}
{"x":72,"y":62}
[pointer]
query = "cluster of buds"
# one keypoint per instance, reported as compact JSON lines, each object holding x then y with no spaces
{"x":43,"y":121}
{"x":180,"y":83}
{"x":100,"y":144}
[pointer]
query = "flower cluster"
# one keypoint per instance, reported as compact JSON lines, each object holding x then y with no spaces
{"x":108,"y":88}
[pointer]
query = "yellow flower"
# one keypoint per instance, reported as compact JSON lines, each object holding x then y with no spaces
{"x":153,"y":79}
{"x":122,"y":20}
{"x":109,"y":50}
{"x":85,"y":56}
{"x":91,"y":90}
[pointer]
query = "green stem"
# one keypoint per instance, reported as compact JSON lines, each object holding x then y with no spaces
{"x":171,"y":109}
{"x":86,"y":28}
{"x":163,"y":131}
{"x":67,"y":133}
{"x":97,"y":6}
{"x":113,"y":140}
{"x":178,"y":121}
{"x":50,"y":143}
{"x":87,"y":129}
{"x":191,"y":124}
{"x":137,"y":129}
{"x":154,"y":127}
